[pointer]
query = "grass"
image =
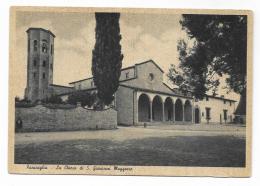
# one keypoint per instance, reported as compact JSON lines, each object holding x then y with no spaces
{"x":210,"y":151}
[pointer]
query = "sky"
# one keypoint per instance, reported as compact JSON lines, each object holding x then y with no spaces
{"x":144,"y":37}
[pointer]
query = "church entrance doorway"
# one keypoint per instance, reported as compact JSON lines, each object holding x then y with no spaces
{"x":197,"y":115}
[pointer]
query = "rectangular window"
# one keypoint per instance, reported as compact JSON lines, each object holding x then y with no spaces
{"x":230,"y":103}
{"x":207,"y":98}
{"x":34,"y":75}
{"x":208,"y":113}
{"x":127,"y":75}
{"x":224,"y":101}
{"x":43,"y":75}
{"x":225,"y":114}
{"x":44,"y":63}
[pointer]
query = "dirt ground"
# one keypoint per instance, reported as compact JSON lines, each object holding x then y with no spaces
{"x":127,"y":133}
{"x":174,"y":145}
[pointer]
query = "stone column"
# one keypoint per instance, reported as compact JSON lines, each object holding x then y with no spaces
{"x":183,"y":113}
{"x":192,"y":114}
{"x":151,"y":111}
{"x":163,"y":116}
{"x":135,"y":102}
{"x":173,"y":112}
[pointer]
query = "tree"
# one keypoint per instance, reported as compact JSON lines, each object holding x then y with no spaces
{"x":107,"y":57}
{"x":54,"y":99}
{"x":220,"y":48}
{"x":82,"y":97}
{"x":193,"y":76}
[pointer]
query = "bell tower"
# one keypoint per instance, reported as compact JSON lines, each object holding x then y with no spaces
{"x":39,"y":63}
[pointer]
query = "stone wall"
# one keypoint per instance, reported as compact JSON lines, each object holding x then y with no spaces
{"x":124,"y":105}
{"x":41,"y":118}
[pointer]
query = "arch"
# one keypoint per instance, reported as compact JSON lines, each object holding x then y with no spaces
{"x":187,"y":111}
{"x":35,"y":45}
{"x":157,"y":108}
{"x":44,"y":47}
{"x":178,"y":110}
{"x":168,"y":109}
{"x":197,"y":115}
{"x":144,"y":108}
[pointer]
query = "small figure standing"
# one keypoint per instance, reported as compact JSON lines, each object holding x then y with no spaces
{"x":18,"y":124}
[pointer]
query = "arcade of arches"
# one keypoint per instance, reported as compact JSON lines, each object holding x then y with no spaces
{"x":156,"y":109}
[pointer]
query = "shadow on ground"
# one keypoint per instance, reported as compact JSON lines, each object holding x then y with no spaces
{"x":209,"y":151}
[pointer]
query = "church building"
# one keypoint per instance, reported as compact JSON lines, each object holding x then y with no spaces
{"x":142,"y":95}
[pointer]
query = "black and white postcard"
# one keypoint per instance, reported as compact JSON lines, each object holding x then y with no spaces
{"x":121,"y":91}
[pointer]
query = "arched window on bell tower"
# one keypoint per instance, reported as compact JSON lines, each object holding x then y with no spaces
{"x":44,"y":48}
{"x":35,"y":45}
{"x":35,"y":62}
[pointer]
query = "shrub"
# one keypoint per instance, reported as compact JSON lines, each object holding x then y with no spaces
{"x":53,"y":99}
{"x":85,"y":98}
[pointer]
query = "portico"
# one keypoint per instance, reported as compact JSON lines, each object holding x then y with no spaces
{"x":155,"y":107}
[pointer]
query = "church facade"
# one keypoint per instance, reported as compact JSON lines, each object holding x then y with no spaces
{"x":142,"y":96}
